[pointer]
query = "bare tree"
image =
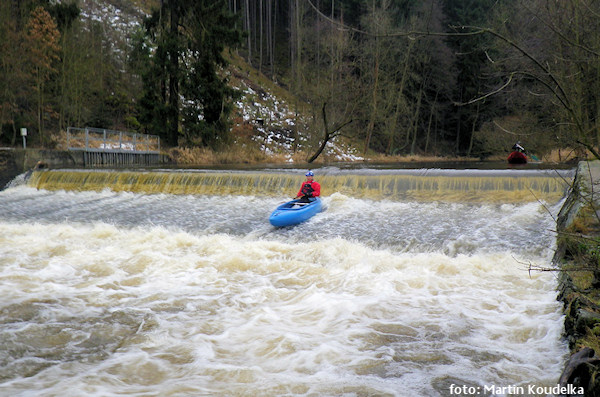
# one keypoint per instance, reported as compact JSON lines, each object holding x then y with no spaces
{"x":328,"y":133}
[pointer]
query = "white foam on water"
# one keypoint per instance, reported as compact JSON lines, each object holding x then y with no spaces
{"x":106,"y":309}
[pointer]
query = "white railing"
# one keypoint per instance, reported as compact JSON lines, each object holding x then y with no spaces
{"x":102,"y":140}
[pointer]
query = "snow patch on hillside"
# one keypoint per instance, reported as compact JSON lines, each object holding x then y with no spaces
{"x":122,"y":20}
{"x":278,"y":129}
{"x":275,"y":127}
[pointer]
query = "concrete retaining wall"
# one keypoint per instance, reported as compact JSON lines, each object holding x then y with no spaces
{"x":16,"y":161}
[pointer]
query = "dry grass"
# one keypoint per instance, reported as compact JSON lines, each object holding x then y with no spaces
{"x":244,"y":155}
{"x":381,"y":158}
{"x":566,"y":155}
{"x":248,"y":154}
{"x":58,"y":140}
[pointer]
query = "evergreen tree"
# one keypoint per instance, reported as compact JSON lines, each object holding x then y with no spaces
{"x":183,"y":92}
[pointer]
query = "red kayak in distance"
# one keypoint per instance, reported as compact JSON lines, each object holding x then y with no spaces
{"x":517,"y":158}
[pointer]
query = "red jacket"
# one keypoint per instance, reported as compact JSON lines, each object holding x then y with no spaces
{"x":310,"y":189}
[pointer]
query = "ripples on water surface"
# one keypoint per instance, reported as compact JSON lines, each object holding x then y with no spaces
{"x":120,"y":293}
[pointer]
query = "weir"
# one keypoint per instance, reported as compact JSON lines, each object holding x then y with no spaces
{"x":448,"y":186}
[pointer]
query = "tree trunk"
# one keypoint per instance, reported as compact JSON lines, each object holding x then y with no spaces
{"x":260,"y":35}
{"x":298,"y":39}
{"x":430,"y":121}
{"x":63,"y":82}
{"x":318,"y":39}
{"x":39,"y":87}
{"x":413,"y":146}
{"x":458,"y":126}
{"x":13,"y":140}
{"x":374,"y":97}
{"x":249,"y":38}
{"x":473,"y":130}
{"x":399,"y":98}
{"x":174,"y":80}
{"x":270,"y":37}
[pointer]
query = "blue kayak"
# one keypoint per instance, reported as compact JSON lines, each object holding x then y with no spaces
{"x":294,"y":212}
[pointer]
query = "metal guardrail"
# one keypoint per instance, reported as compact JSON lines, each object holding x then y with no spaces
{"x":109,"y":141}
{"x":101,"y":147}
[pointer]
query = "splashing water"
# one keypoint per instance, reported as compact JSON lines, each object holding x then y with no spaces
{"x":121,"y":293}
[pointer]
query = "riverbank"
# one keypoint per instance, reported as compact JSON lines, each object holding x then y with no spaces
{"x":578,"y":260}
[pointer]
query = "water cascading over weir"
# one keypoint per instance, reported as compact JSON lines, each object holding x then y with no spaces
{"x":420,"y":185}
{"x":408,"y":283}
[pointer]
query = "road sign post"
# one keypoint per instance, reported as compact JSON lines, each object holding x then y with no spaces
{"x":24,"y":135}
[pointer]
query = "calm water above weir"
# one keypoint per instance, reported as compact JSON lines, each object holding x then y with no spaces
{"x":173,"y":283}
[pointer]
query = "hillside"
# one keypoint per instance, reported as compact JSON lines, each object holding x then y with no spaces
{"x":264,"y":123}
{"x":266,"y":114}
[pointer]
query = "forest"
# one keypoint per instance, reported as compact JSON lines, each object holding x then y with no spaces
{"x":395,"y":77}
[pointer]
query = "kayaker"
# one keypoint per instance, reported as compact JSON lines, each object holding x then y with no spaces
{"x":309,"y":189}
{"x":518,"y":148}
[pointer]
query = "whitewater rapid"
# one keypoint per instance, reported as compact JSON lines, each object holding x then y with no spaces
{"x":117,"y":293}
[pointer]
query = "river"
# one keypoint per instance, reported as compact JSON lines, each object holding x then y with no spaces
{"x":409,"y":283}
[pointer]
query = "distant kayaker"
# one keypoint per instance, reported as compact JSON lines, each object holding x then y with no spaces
{"x":518,"y":155}
{"x":518,"y":148}
{"x":38,"y":166}
{"x":309,"y":189}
